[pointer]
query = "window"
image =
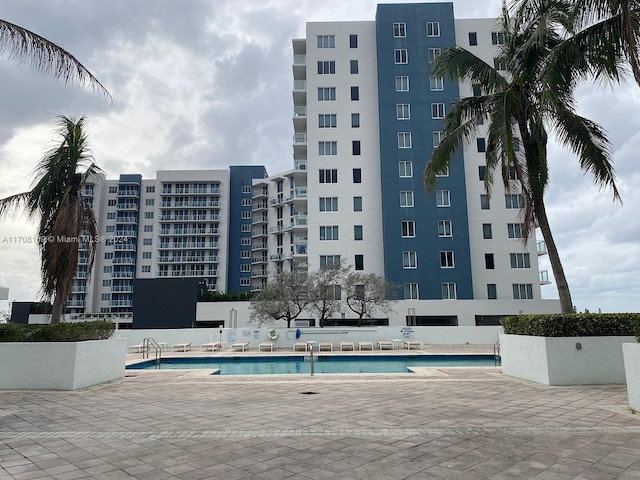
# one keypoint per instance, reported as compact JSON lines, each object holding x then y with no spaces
{"x":357,"y":175}
{"x":353,"y":67}
{"x":482,"y":172}
{"x":113,"y":189}
{"x":444,"y":228}
{"x":400,"y":55}
{"x":402,"y":83}
{"x":329,"y":262}
{"x":245,"y":241}
{"x":437,"y":110}
{"x":436,"y":83}
{"x":486,"y":231}
{"x":357,"y":204}
{"x":520,"y":260}
{"x":399,"y":29}
{"x":151,"y":189}
{"x":355,"y":120}
{"x":106,"y":283}
{"x":489,"y":263}
{"x":403,"y":111}
{"x":514,"y":230}
{"x":108,"y":255}
{"x":404,"y":139}
{"x":355,"y":147}
{"x":359,"y":262}
{"x":443,"y":198}
{"x":328,"y":175}
{"x":105,"y":297}
{"x":326,"y":94}
{"x":437,"y":138}
{"x":246,"y":215}
{"x":481,"y":144}
{"x":148,"y":228}
{"x":522,"y":291}
{"x":497,"y":38}
{"x":433,"y":29}
{"x":244,"y":228}
{"x":357,"y":232}
{"x":449,"y":291}
{"x":246,"y":189}
{"x":433,"y":54}
{"x":245,"y":267}
{"x":148,"y":215}
{"x":327,"y":148}
{"x":111,"y":215}
{"x":411,"y":291}
{"x":408,"y":228}
{"x":473,"y":38}
{"x":111,"y":203}
{"x":353,"y":41}
{"x":111,"y":228}
{"x":329,"y":232}
{"x":245,"y":253}
{"x":446,"y":259}
{"x":107,"y":269}
{"x":405,"y":168}
{"x":355,"y":93}
{"x":326,"y":67}
{"x":327,"y":120}
{"x":514,"y":201}
{"x":492,"y":291}
{"x":149,"y":202}
{"x":326,"y":41}
{"x":512,"y":173}
{"x":328,"y":204}
{"x":246,"y":202}
{"x":499,"y":63}
{"x":147,"y":241}
{"x":406,"y":198}
{"x":409,"y":260}
{"x":146,"y":255}
{"x":484,"y":202}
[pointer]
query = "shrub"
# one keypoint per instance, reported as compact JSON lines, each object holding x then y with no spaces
{"x":59,"y":332}
{"x":572,"y":324}
{"x":638,"y":329}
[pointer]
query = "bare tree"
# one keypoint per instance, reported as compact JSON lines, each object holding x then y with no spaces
{"x":367,"y":293}
{"x":325,"y":291}
{"x":284,"y":298}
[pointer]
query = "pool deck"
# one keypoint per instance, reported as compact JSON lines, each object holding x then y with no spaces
{"x":445,"y":423}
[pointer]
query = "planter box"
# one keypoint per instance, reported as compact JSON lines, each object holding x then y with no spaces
{"x":61,"y":365}
{"x":559,"y":361}
{"x":631,"y":353}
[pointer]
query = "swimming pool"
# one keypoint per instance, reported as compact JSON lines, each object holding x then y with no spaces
{"x":298,"y":364}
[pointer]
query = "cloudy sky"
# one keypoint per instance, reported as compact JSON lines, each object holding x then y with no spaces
{"x":207,"y":83}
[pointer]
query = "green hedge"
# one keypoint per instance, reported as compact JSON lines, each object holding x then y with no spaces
{"x":59,"y":332}
{"x":573,"y":324}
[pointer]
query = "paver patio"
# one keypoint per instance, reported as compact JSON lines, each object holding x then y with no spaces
{"x":454,"y":423}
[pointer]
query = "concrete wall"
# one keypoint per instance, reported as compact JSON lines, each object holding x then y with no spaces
{"x":60,"y":365}
{"x":559,"y":361}
{"x":631,"y":353}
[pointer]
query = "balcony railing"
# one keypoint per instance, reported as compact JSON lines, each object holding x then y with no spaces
{"x":299,"y":59}
{"x":544,"y":277}
{"x":300,"y":138}
{"x":299,"y":112}
{"x":541,"y":246}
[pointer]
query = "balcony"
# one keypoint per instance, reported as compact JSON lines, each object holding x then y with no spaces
{"x":300,"y":164}
{"x":125,"y":247}
{"x":122,"y":288}
{"x":127,"y":206}
{"x":128,"y":193}
{"x":121,"y":303}
{"x":79,"y":289}
{"x":127,"y":219}
{"x":300,"y":139}
{"x":259,"y":206}
{"x":75,"y":304}
{"x":258,"y":246}
{"x":121,"y":274}
{"x":124,"y":260}
{"x":260,"y":274}
{"x":541,"y":246}
{"x":260,"y":193}
{"x":259,"y":219}
{"x":259,"y":260}
{"x":544,"y":277}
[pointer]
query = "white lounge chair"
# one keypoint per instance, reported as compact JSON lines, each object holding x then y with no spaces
{"x":412,"y":344}
{"x":181,"y":347}
{"x":385,"y":345}
{"x":300,"y":347}
{"x":347,"y":346}
{"x":325,"y":346}
{"x":365,"y":346}
{"x":138,"y":348}
{"x":265,"y":347}
{"x":212,"y":346}
{"x":240,"y":346}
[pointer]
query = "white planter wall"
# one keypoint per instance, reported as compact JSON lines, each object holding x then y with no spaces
{"x":631,"y":353}
{"x":558,"y":361}
{"x":60,"y":365}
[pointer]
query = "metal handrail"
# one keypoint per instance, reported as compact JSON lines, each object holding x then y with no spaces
{"x":149,"y":343}
{"x":496,"y":351}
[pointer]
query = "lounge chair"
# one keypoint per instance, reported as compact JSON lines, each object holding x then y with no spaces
{"x":326,"y":346}
{"x":412,"y":344}
{"x":265,"y":347}
{"x":365,"y":346}
{"x":181,"y":347}
{"x":138,"y":348}
{"x":240,"y":346}
{"x":344,"y":346}
{"x":212,"y":346}
{"x":300,"y":347}
{"x":385,"y":345}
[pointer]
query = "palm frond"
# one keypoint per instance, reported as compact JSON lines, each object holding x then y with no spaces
{"x":45,"y":56}
{"x":15,"y":203}
{"x":458,"y":63}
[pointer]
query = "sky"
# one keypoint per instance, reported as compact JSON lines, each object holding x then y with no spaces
{"x":204,"y":84}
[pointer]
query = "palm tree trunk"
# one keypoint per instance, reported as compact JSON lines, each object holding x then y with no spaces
{"x":56,"y":311}
{"x":566,"y":303}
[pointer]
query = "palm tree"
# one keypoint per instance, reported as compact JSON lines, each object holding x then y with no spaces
{"x":522,"y":102}
{"x":65,"y":218}
{"x":45,"y":56}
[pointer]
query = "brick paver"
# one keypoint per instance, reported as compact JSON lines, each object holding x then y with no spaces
{"x":453,"y":423}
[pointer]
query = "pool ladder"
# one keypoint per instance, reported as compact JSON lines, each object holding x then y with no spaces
{"x":149,"y":343}
{"x":496,"y":352}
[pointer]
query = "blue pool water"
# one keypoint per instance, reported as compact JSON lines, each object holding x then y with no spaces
{"x":322,"y":364}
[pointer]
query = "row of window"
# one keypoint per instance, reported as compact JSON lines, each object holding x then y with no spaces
{"x":329,"y":41}
{"x":328,"y":94}
{"x":330,"y":175}
{"x":330,"y":204}
{"x":497,"y":38}
{"x":520,"y":291}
